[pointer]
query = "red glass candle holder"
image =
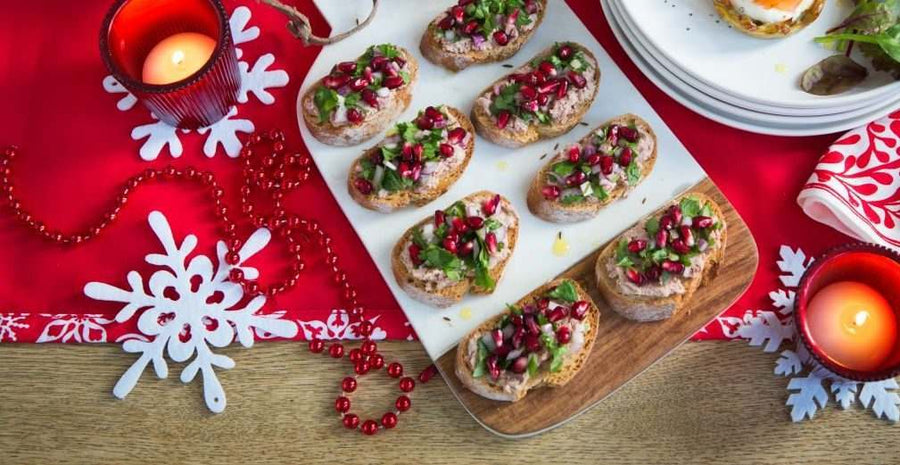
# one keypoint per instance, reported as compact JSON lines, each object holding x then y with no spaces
{"x":873,"y":265}
{"x":133,"y":27}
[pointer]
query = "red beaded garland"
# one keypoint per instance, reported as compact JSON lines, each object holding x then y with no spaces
{"x":272,"y":173}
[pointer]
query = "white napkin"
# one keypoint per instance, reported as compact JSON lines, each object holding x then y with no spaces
{"x":855,"y":188}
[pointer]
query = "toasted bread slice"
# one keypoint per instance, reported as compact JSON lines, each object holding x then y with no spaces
{"x":431,"y":285}
{"x":557,"y":208}
{"x":430,"y":187}
{"x":572,"y":363}
{"x":457,"y":55}
{"x":647,"y":302}
{"x":342,"y":132}
{"x":560,"y":115}
{"x":761,"y":30}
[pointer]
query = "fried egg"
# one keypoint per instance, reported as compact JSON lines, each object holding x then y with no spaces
{"x":772,"y":11}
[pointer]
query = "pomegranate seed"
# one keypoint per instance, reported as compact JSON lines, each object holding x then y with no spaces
{"x":517,"y":321}
{"x":475,"y":222}
{"x":557,"y":314}
{"x":531,"y":7}
{"x":418,"y":152}
{"x":439,"y":218}
{"x":606,"y":164}
{"x":687,"y":236}
{"x":547,"y":69}
{"x":497,"y":335}
{"x":501,"y":38}
{"x":470,"y":27}
{"x":433,"y":113}
{"x":406,"y":152}
{"x":490,"y":207}
{"x":358,"y":84}
{"x":450,"y":245}
{"x":673,"y":267}
{"x":575,"y":153}
{"x":532,"y":343}
{"x":544,"y":303}
{"x":629,"y":134}
{"x":519,"y":365}
{"x":679,"y":246}
{"x":564,"y":335}
{"x":702,"y":222}
{"x":530,"y":106}
{"x":446,"y":150}
{"x":538,"y":78}
{"x":562,"y":89}
{"x":492,"y":367}
{"x":636,"y":245}
{"x":458,"y":13}
{"x":400,"y":62}
{"x":531,"y":326}
{"x":335,"y":81}
{"x":662,"y":237}
{"x":666,"y":222}
{"x":625,"y":157}
{"x":459,"y":225}
{"x":389,"y":71}
{"x":363,"y":186}
{"x":551,"y":192}
{"x":378,"y":62}
{"x":490,"y":241}
{"x":456,"y":136}
{"x":503,"y":119}
{"x":543,"y":99}
{"x":528,"y":92}
{"x":446,"y":23}
{"x":594,"y":159}
{"x":653,"y":274}
{"x":565,"y":52}
{"x":577,"y":80}
{"x":370,"y":97}
{"x":354,"y":116}
{"x":580,"y":309}
{"x":675,"y":213}
{"x":405,"y":169}
{"x":467,"y":248}
{"x":634,"y":276}
{"x":347,"y":67}
{"x":414,"y":251}
{"x":549,"y":87}
{"x":424,"y":122}
{"x":576,"y":179}
{"x":392,"y":82}
{"x":427,"y":373}
{"x":613,"y":135}
{"x":502,"y":351}
{"x":376,"y":158}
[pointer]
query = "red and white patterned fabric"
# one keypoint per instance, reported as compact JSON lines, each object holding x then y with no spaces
{"x":854,"y":188}
{"x":78,"y":145}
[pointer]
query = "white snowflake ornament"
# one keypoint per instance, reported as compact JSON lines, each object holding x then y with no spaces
{"x":771,"y":328}
{"x":9,"y":323}
{"x":191,"y":308}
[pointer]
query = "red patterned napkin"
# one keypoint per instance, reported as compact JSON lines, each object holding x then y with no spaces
{"x":855,"y":188}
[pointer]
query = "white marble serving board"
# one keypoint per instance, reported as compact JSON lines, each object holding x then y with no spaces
{"x":502,"y":170}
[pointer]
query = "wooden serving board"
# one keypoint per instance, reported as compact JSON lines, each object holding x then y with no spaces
{"x":623,"y":348}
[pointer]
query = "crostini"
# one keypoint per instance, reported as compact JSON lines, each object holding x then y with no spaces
{"x":543,"y":340}
{"x":769,"y":19}
{"x":481,"y":31}
{"x":360,"y":98}
{"x":653,"y":269}
{"x":543,"y":99}
{"x":604,"y":166}
{"x":462,"y":249}
{"x":416,"y":163}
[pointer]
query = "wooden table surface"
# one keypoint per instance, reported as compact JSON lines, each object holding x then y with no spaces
{"x":711,"y":402}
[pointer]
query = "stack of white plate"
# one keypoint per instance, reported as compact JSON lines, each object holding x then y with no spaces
{"x":684,"y":48}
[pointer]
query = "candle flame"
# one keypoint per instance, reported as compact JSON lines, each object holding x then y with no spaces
{"x":861,"y":318}
{"x":177,"y":57}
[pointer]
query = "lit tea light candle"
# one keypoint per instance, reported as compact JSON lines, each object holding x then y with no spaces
{"x":176,"y":57}
{"x":853,"y":324}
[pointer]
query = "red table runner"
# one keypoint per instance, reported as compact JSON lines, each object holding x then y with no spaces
{"x":77,"y":149}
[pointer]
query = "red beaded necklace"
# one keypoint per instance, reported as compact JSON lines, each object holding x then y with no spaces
{"x":268,"y":168}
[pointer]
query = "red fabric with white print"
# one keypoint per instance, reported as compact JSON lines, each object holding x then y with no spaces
{"x":854,"y":188}
{"x":77,"y":149}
